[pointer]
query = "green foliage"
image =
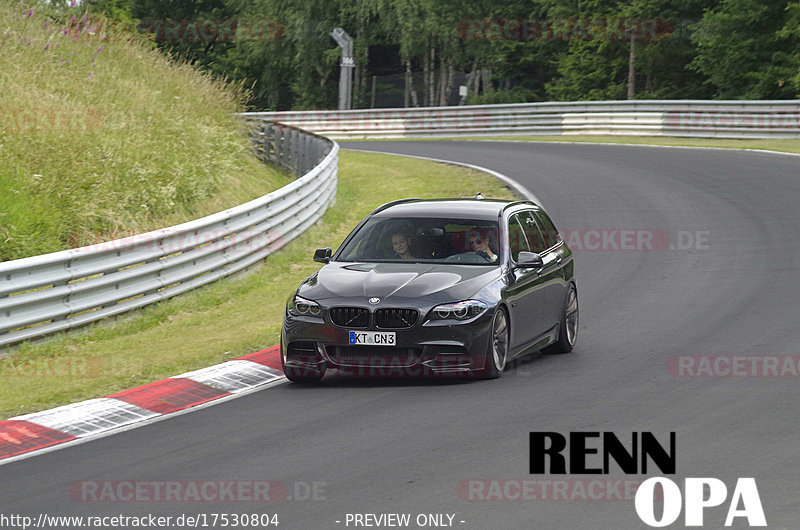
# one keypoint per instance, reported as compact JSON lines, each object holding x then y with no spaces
{"x":514,"y":95}
{"x":102,"y":136}
{"x":681,"y":49}
{"x":743,"y":52}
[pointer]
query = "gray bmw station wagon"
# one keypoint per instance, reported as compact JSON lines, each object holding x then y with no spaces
{"x":434,"y":287}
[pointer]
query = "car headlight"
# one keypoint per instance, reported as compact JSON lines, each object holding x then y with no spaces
{"x":298,"y":306}
{"x":463,"y":310}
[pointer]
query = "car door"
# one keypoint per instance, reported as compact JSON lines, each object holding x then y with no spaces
{"x":554,"y":285}
{"x":524,"y":291}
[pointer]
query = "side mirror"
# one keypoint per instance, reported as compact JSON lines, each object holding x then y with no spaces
{"x":529,"y":260}
{"x":323,"y":255}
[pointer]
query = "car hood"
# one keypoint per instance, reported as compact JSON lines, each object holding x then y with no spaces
{"x":394,"y":281}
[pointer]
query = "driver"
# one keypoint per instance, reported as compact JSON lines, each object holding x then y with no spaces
{"x":478,"y":242}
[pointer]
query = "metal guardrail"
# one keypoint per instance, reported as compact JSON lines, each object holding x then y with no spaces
{"x":43,"y":294}
{"x":698,"y":118}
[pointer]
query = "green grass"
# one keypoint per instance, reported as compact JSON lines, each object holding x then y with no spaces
{"x":102,"y":136}
{"x":788,"y":145}
{"x":224,"y":320}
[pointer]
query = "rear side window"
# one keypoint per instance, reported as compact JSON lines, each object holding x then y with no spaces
{"x":549,"y":232}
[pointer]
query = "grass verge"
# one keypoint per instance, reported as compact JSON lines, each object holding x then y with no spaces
{"x":103,"y":136}
{"x":787,"y":145}
{"x":226,"y":319}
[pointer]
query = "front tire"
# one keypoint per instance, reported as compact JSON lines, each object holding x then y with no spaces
{"x":497,"y":354}
{"x":568,"y":325}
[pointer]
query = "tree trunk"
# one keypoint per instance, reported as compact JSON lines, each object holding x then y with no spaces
{"x":356,"y":86}
{"x":487,"y":80}
{"x":432,"y":79}
{"x":407,"y":90}
{"x":426,"y":68}
{"x":448,"y":88}
{"x":632,"y":68}
{"x":410,"y":84}
{"x":372,"y":98}
{"x":443,"y":83}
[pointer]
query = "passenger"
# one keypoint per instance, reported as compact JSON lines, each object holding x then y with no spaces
{"x":478,"y":242}
{"x":401,"y":244}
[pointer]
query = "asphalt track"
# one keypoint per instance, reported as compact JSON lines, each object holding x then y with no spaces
{"x":403,"y":447}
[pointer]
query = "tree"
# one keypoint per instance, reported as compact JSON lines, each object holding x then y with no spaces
{"x":742,"y":51}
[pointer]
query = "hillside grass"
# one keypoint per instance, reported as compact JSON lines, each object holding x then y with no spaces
{"x":102,"y":136}
{"x":226,"y":319}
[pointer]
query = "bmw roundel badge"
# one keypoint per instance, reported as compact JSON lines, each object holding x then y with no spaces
{"x":374,"y":300}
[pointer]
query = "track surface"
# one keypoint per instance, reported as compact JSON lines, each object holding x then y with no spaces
{"x":404,"y":446}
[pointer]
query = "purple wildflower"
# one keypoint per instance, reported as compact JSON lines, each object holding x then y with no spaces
{"x":99,"y":49}
{"x":72,"y":4}
{"x":30,"y":13}
{"x":73,"y":19}
{"x":47,"y":47}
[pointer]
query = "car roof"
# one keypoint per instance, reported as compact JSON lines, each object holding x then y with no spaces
{"x":458,"y":208}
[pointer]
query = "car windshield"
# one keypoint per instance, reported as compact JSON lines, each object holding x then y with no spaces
{"x":424,"y":240}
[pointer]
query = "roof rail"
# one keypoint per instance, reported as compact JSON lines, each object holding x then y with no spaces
{"x":517,"y":203}
{"x":388,"y":204}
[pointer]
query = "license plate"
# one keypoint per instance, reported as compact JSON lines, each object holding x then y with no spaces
{"x":373,"y":338}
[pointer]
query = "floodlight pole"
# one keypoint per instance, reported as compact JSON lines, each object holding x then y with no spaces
{"x":345,"y":42}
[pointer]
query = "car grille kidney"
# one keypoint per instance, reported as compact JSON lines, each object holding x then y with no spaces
{"x":395,"y":318}
{"x":352,"y":317}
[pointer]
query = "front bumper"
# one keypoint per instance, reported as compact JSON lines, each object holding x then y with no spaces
{"x":429,"y":348}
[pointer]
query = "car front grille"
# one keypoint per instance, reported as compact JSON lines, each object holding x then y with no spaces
{"x":380,"y":356}
{"x":395,"y":318}
{"x":351,"y":317}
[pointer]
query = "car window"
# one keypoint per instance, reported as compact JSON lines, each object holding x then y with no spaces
{"x":517,"y":242}
{"x":532,"y":232}
{"x":549,"y":232}
{"x":436,"y":240}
